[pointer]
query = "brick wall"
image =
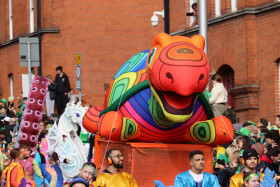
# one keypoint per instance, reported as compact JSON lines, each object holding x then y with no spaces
{"x":109,"y":33}
{"x":4,"y":21}
{"x":106,"y":33}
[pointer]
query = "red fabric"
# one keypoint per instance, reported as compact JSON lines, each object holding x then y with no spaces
{"x":264,"y":158}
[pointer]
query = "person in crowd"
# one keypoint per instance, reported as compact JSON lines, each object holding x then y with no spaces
{"x":51,"y":95}
{"x":88,"y":172}
{"x":3,"y":111}
{"x":24,"y":100}
{"x":38,"y":157}
{"x":272,"y":138}
{"x":112,"y":176}
{"x":269,"y":160}
{"x":73,"y":97}
{"x":276,"y":126}
{"x":251,"y":179}
{"x":79,"y":182}
{"x":7,"y":156}
{"x":53,"y":160}
{"x":258,"y":146}
{"x":230,"y":113}
{"x":243,"y":143}
{"x":219,"y":96}
{"x":252,"y":127}
{"x":43,"y":130}
{"x":29,"y":163}
{"x":262,"y":130}
{"x":3,"y":103}
{"x":195,"y":176}
{"x":250,"y":160}
{"x":262,"y":123}
{"x":13,"y":174}
{"x":194,"y":14}
{"x":20,"y":103}
{"x":9,"y":129}
{"x":63,"y":86}
{"x":53,"y":175}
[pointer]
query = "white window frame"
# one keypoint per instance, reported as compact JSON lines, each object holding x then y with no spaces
{"x":192,"y":18}
{"x":217,"y":8}
{"x":233,"y":4}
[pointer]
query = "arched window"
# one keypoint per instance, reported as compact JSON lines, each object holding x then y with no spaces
{"x":228,"y":75}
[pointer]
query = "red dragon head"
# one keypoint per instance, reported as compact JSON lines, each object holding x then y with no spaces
{"x":178,"y":71}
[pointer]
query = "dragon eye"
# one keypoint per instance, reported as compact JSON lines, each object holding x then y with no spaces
{"x":78,"y":115}
{"x":150,"y":58}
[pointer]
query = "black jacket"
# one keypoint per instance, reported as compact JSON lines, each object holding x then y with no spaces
{"x":52,"y":90}
{"x":63,"y":84}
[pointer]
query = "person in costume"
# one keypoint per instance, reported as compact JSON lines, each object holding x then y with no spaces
{"x":29,"y":164}
{"x":250,"y":159}
{"x":53,"y":160}
{"x":251,"y":179}
{"x":13,"y":174}
{"x":195,"y":176}
{"x":112,"y":176}
{"x":88,"y":172}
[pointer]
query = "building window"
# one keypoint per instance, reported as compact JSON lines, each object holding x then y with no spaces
{"x":11,"y":77}
{"x":233,"y":5}
{"x":217,"y":8}
{"x":193,"y":17}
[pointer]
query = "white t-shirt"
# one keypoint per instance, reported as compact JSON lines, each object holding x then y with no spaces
{"x":196,"y":177}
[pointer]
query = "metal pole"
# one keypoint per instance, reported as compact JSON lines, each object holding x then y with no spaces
{"x":203,"y":22}
{"x":166,"y":17}
{"x":39,"y":36}
{"x":29,"y":66}
{"x":80,"y":96}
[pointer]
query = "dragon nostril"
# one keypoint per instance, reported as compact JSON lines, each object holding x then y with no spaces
{"x":200,"y":77}
{"x":169,"y":76}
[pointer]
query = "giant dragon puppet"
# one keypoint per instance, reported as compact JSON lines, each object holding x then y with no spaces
{"x":159,"y":95}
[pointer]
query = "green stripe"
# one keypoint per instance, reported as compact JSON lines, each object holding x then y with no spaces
{"x":203,"y":99}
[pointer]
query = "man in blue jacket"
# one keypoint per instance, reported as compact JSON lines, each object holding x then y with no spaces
{"x":195,"y":177}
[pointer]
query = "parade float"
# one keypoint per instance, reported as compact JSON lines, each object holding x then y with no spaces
{"x":156,"y":111}
{"x":63,"y":138}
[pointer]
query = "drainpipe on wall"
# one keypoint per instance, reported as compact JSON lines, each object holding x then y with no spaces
{"x":166,"y":17}
{"x":39,"y":36}
{"x":203,"y":27}
{"x":31,"y":12}
{"x":11,"y":19}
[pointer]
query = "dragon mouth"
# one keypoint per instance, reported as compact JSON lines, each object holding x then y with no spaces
{"x":176,"y":104}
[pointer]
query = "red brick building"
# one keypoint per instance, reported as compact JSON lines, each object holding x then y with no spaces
{"x":243,"y":44}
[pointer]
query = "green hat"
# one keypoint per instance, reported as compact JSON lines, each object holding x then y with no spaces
{"x":243,"y":132}
{"x":252,"y":123}
{"x":223,"y":157}
{"x":4,"y":101}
